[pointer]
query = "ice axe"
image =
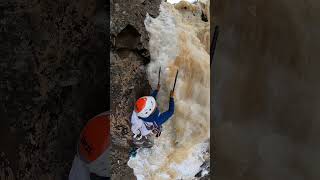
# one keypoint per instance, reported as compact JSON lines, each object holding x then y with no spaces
{"x":214,"y":43}
{"x":175,"y":80}
{"x":159,"y":76}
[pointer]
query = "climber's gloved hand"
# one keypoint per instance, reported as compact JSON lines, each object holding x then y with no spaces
{"x":172,"y":94}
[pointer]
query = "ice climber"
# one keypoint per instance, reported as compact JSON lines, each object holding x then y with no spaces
{"x":146,"y":119}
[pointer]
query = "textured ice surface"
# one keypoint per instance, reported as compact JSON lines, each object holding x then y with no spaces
{"x":179,"y":39}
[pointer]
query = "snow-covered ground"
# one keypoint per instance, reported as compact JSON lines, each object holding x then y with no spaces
{"x":179,"y":39}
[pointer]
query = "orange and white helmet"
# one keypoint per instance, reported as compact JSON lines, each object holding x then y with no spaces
{"x":145,"y":106}
{"x":94,"y":144}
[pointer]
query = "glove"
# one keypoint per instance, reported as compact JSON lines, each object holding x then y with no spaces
{"x":172,"y":94}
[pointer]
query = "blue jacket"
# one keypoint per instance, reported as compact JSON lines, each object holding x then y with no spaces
{"x":156,"y":116}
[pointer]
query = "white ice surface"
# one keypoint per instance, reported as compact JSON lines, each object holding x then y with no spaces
{"x":178,"y":41}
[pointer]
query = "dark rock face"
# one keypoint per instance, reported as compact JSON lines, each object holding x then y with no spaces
{"x":132,"y":13}
{"x":128,"y":38}
{"x":53,"y":80}
{"x":266,"y":90}
{"x":129,"y":55}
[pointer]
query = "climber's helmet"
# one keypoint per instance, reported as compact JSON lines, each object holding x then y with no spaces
{"x":145,"y":106}
{"x":93,"y":146}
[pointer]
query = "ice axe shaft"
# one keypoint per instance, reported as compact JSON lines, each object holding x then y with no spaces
{"x":175,"y":80}
{"x":214,"y":43}
{"x":159,"y":76}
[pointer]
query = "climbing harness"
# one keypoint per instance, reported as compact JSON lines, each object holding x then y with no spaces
{"x":154,"y":128}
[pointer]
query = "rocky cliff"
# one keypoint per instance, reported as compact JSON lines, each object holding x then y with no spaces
{"x":129,"y":55}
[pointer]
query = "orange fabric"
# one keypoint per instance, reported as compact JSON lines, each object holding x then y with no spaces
{"x":140,"y":104}
{"x":95,"y":137}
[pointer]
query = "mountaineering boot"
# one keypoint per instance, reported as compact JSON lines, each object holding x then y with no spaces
{"x":133,"y":152}
{"x":145,"y":141}
{"x":138,"y":142}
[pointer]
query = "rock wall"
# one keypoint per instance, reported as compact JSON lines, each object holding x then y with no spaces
{"x":179,"y":39}
{"x":129,"y":55}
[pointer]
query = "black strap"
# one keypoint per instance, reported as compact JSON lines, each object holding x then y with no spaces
{"x":153,"y":127}
{"x":149,"y":127}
